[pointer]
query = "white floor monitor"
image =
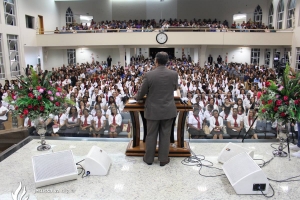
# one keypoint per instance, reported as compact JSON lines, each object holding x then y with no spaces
{"x":52,"y":168}
{"x":231,"y":150}
{"x":245,"y":176}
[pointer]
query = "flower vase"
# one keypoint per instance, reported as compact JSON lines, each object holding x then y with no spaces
{"x":282,"y":135}
{"x":40,"y":126}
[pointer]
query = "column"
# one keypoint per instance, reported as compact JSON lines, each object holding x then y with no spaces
{"x":203,"y":57}
{"x":271,"y":58}
{"x":127,"y":56}
{"x":122,"y":55}
{"x":6,"y":57}
{"x":262,"y":56}
{"x":196,"y":55}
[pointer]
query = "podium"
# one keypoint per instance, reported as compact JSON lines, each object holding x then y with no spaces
{"x":136,"y":147}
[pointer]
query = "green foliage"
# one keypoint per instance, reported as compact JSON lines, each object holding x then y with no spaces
{"x":37,"y":97}
{"x":281,"y":101}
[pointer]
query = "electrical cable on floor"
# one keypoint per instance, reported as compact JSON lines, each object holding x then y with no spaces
{"x":84,"y":174}
{"x":197,"y":160}
{"x":266,"y":194}
{"x":284,"y":146}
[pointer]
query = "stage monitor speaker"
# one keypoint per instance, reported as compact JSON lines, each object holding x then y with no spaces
{"x":54,"y":168}
{"x":97,"y":162}
{"x":245,"y":176}
{"x":231,"y":150}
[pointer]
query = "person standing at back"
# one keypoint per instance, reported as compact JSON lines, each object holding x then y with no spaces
{"x":160,"y":109}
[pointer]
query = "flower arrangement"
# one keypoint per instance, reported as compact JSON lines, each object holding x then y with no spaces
{"x":281,"y":101}
{"x":36,"y":97}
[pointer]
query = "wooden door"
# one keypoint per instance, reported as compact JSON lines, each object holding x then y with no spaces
{"x":41,"y":24}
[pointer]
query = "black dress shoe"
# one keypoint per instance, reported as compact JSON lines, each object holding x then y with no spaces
{"x":164,"y":163}
{"x":146,"y":162}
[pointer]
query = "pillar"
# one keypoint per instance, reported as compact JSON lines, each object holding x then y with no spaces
{"x":122,"y":55}
{"x":196,"y":55}
{"x":271,"y":57}
{"x":203,"y":57}
{"x":127,"y":56}
{"x":262,"y":56}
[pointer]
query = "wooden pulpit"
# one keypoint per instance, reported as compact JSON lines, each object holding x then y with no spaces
{"x":178,"y":148}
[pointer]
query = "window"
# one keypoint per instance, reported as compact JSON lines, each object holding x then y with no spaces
{"x":2,"y":72}
{"x":291,"y":14}
{"x":298,"y":58}
{"x":258,"y":14}
{"x":69,"y":17}
{"x":267,"y":56}
{"x":271,"y":12}
{"x":71,"y":56}
{"x":9,"y":12}
{"x":29,"y":21}
{"x":255,"y":53}
{"x":276,"y":57}
{"x":280,"y":11}
{"x":12,"y":41}
{"x":286,"y":54}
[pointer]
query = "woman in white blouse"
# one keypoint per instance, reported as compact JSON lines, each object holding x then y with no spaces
{"x":99,"y":123}
{"x":114,"y":121}
{"x":248,"y":120}
{"x":86,"y":121}
{"x":196,"y":124}
{"x":216,"y":125}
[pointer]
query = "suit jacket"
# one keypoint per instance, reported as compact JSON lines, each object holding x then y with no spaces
{"x":159,"y":85}
{"x":210,"y":60}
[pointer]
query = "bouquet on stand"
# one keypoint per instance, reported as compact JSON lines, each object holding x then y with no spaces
{"x":280,"y":102}
{"x":36,"y":98}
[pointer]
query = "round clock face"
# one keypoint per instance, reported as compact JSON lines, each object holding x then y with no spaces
{"x":161,"y":38}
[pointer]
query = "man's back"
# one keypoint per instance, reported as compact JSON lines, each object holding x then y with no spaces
{"x":159,"y":86}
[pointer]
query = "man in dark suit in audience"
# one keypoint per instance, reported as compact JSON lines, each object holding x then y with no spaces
{"x":210,"y":59}
{"x":109,"y":59}
{"x":160,"y":108}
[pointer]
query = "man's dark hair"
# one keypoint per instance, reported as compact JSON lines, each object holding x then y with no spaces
{"x":162,"y":58}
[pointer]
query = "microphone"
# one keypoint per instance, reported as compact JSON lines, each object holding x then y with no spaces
{"x":249,"y":128}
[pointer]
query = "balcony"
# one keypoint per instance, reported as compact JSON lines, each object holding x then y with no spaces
{"x":176,"y":37}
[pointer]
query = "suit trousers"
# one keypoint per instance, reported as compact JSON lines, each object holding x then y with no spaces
{"x":163,"y":127}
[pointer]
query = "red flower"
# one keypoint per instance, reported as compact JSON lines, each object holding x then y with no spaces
{"x":35,"y":107}
{"x":42,"y":108}
{"x":39,"y":98}
{"x":268,"y":84}
{"x":264,"y":110}
{"x":285,"y":98}
{"x":57,"y":103}
{"x":278,"y":102}
{"x":58,"y":89}
{"x":263,"y":102}
{"x":25,"y":112}
{"x":16,"y":108}
{"x":30,"y":107}
{"x":21,"y":116}
{"x":297,"y":102}
{"x":282,"y":114}
{"x":275,"y":109}
{"x":270,"y":101}
{"x":38,"y":87}
{"x":30,"y":95}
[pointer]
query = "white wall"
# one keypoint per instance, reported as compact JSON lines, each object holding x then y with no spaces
{"x":84,"y":55}
{"x":154,"y":9}
{"x":235,"y":54}
{"x":161,"y":10}
{"x":100,"y":10}
{"x":54,"y":58}
{"x":125,"y":10}
{"x":31,"y":55}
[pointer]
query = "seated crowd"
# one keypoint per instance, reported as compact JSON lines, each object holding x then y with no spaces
{"x":224,"y":97}
{"x":150,"y":25}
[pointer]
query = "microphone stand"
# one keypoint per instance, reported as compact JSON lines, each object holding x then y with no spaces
{"x":249,"y":128}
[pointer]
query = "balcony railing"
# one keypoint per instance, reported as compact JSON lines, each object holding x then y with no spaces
{"x":170,"y":29}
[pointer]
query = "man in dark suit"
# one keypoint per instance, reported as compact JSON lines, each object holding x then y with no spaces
{"x":109,"y":59}
{"x":210,"y":59}
{"x":160,"y":108}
